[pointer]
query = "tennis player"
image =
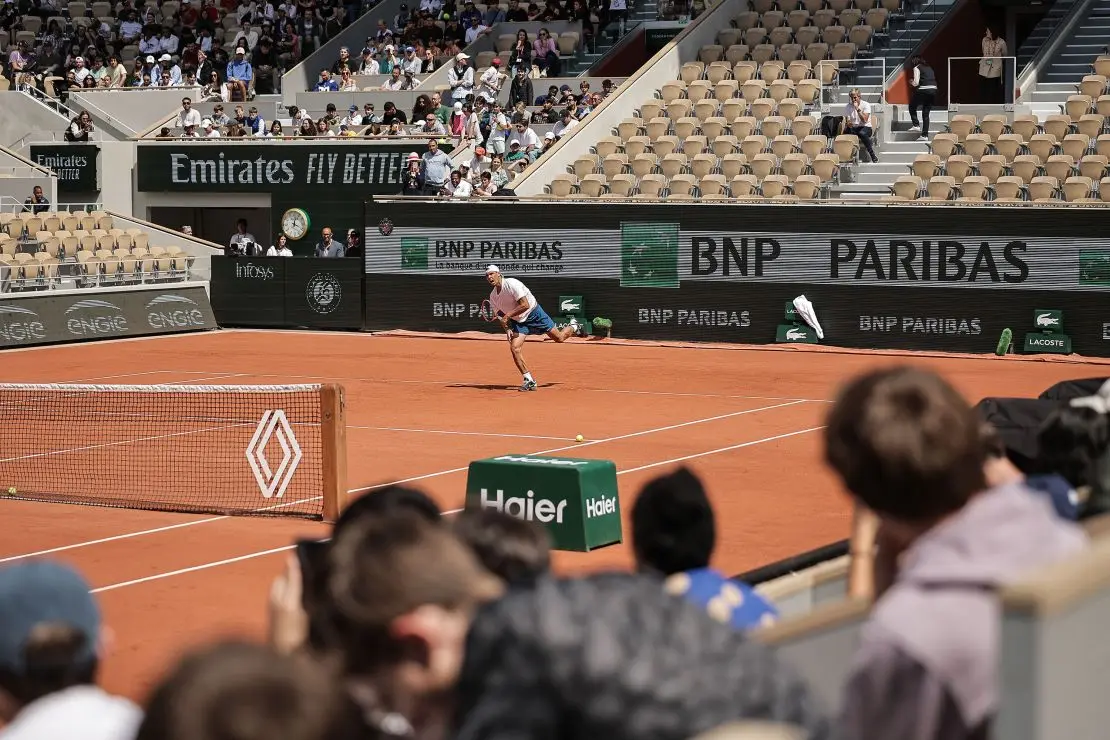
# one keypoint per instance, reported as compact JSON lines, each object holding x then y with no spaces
{"x":521,"y":315}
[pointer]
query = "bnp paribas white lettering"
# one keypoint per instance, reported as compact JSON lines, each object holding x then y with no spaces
{"x":223,"y":171}
{"x":700,"y":317}
{"x":526,"y":507}
{"x":920,"y":325}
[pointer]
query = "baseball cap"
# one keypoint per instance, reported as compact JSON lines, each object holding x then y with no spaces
{"x":458,"y":106}
{"x":150,"y":60}
{"x":496,"y":61}
{"x":413,"y":156}
{"x":492,"y":269}
{"x":410,"y":48}
{"x":206,"y":122}
{"x":165,"y":58}
{"x":480,"y":151}
{"x":549,"y":135}
{"x":240,"y":50}
{"x":352,"y":109}
{"x":41,"y":592}
{"x":461,"y":56}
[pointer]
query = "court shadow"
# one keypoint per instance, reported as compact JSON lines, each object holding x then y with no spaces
{"x":491,"y":387}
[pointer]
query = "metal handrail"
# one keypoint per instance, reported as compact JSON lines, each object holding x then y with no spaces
{"x":927,"y":13}
{"x":1026,"y":82}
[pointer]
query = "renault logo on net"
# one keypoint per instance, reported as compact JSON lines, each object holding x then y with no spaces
{"x":273,"y":425}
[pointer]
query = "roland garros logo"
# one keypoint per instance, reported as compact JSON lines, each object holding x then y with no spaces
{"x":273,"y":426}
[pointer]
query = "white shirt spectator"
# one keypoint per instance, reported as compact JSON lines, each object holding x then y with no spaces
{"x":474,"y":32}
{"x":168,"y":44}
{"x":80,"y":74}
{"x":562,"y":128}
{"x":189,"y":117}
{"x":150,"y":46}
{"x":290,"y":9}
{"x":370,"y":67}
{"x":433,"y":6}
{"x":82,"y":711}
{"x":352,"y":120}
{"x":853,"y":118}
{"x":413,"y":64}
{"x":462,"y":190}
{"x":251,"y":37}
{"x":478,"y":165}
{"x":274,"y":251}
{"x":473,"y":128}
{"x":175,"y":72}
{"x":394,"y":83}
{"x":527,"y":138}
{"x":489,"y":84}
{"x":499,"y":128}
{"x":462,"y":83}
{"x":507,"y":299}
{"x":130,"y":30}
{"x":213,"y":134}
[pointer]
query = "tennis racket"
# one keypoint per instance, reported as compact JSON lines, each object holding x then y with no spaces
{"x":489,"y":314}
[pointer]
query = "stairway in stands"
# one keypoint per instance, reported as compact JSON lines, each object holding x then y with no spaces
{"x":1057,"y":79}
{"x":906,"y":33}
{"x":1040,"y":33}
{"x":641,"y":12}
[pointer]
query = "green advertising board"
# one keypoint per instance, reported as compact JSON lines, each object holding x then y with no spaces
{"x":74,"y":164}
{"x":575,"y":499}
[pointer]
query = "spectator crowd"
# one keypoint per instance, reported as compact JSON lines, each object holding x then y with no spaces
{"x":410,"y":623}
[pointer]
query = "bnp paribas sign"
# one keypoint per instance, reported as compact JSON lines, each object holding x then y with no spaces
{"x":370,"y":168}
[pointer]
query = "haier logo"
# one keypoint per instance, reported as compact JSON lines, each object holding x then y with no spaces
{"x":525,"y":507}
{"x":18,"y":325}
{"x":252,"y":271}
{"x":1047,"y":320}
{"x":172,"y":311}
{"x":94,"y":317}
{"x":603,"y":506}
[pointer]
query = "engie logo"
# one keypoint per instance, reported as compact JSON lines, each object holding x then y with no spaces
{"x":19,"y":325}
{"x":251,"y":271}
{"x":526,"y":507}
{"x":323,"y":292}
{"x":94,"y":317}
{"x":172,"y":311}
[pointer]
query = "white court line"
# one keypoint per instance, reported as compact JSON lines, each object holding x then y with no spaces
{"x":83,"y":345}
{"x":580,"y":445}
{"x":156,"y":530}
{"x":285,"y":548}
{"x":456,"y":383}
{"x":465,"y":434}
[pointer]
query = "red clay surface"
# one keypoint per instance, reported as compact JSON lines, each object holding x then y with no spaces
{"x":420,"y":409}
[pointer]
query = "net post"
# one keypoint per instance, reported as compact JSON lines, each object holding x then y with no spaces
{"x":333,"y":429}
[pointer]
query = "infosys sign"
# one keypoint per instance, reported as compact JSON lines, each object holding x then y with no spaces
{"x":44,"y":319}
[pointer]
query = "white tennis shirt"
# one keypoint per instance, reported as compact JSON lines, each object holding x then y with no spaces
{"x":508,"y":297}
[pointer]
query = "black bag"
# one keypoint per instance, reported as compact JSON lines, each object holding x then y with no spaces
{"x":1018,"y":421}
{"x":1066,"y":390}
{"x":832,"y":126}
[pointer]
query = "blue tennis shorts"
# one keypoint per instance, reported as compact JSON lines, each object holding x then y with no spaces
{"x":538,"y":322}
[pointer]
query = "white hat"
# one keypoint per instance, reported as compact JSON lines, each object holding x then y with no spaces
{"x":549,"y":135}
{"x":79,"y":59}
{"x":240,"y":50}
{"x":165,"y":58}
{"x":413,"y":156}
{"x":206,"y":122}
{"x":458,"y":105}
{"x":492,"y":269}
{"x":150,"y":60}
{"x":460,"y":57}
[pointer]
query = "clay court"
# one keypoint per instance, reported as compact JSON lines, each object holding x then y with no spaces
{"x":419,"y":409}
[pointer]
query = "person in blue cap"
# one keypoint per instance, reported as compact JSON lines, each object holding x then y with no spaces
{"x":673,"y":535}
{"x":50,"y":630}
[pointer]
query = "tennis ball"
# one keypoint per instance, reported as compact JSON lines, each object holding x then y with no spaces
{"x":12,"y":491}
{"x":579,"y":438}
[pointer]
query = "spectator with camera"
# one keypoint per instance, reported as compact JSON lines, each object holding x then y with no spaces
{"x":242,"y":242}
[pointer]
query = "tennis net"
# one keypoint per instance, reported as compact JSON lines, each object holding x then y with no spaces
{"x":223,"y":449}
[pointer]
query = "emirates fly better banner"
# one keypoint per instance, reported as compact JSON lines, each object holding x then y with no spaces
{"x":663,"y":255}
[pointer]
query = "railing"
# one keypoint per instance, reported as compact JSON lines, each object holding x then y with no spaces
{"x":932,"y":16}
{"x":876,"y":202}
{"x":50,"y":102}
{"x":14,"y":205}
{"x":849,"y":72}
{"x":1027,"y":81}
{"x":1008,"y":79}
